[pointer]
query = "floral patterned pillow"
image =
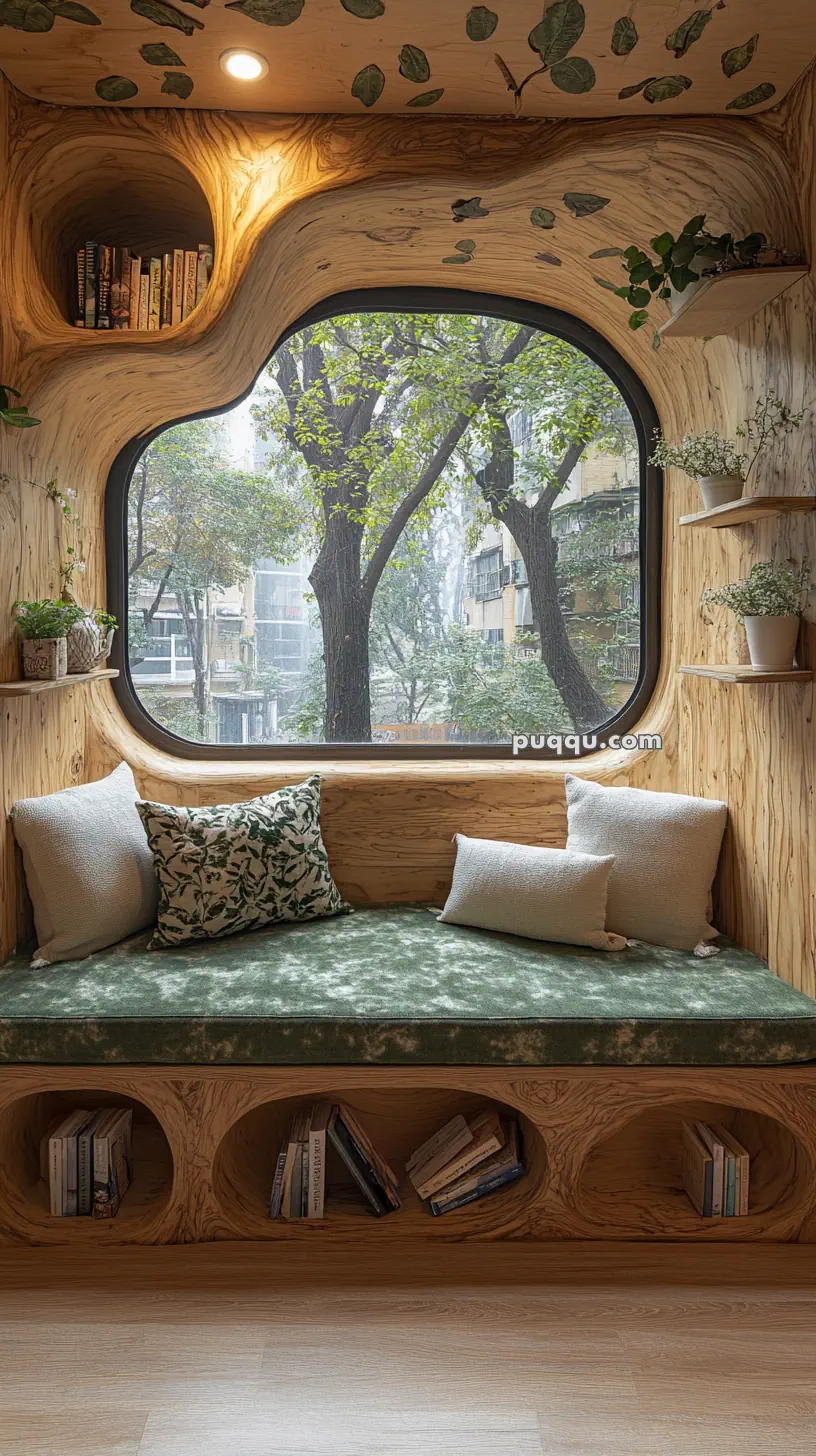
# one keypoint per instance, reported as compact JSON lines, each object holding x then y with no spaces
{"x":234,"y":867}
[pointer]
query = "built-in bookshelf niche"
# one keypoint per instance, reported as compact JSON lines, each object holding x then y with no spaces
{"x":125,"y":196}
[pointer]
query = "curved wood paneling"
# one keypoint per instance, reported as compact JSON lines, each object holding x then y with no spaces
{"x":302,"y":208}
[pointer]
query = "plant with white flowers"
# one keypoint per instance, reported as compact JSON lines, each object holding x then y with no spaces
{"x":711,"y":455}
{"x":771,"y":589}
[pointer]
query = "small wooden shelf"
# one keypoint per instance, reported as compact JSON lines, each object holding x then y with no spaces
{"x":749,"y":508}
{"x":26,"y":689}
{"x":721,"y":304}
{"x":738,"y":672}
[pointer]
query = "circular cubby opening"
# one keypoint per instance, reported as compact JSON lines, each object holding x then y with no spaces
{"x":24,"y":1190}
{"x":397,"y":1121}
{"x":126,"y":195}
{"x":632,"y":1182}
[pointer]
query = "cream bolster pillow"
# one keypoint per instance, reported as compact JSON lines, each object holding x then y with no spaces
{"x":666,"y":848}
{"x":522,"y":889}
{"x":88,"y":866}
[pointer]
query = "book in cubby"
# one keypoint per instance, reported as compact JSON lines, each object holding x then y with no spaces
{"x":466,"y":1160}
{"x":299,"y":1182}
{"x":117,"y":288}
{"x":716,"y":1170}
{"x":86,"y":1159}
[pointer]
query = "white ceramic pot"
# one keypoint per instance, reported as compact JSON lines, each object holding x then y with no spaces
{"x":772,"y":642}
{"x":717,"y":490}
{"x":44,"y":658}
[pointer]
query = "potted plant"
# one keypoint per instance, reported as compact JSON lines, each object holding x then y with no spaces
{"x":769,"y":601}
{"x":719,"y":466}
{"x":44,"y":626}
{"x":89,"y":641}
{"x":678,"y":264}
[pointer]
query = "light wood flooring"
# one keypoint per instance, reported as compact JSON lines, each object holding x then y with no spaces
{"x":563,"y":1350}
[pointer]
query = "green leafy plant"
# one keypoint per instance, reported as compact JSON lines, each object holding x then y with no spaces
{"x":105,"y":621}
{"x":14,"y":414}
{"x":710,"y":454}
{"x":38,"y":620}
{"x":771,"y":589}
{"x":675,"y":263}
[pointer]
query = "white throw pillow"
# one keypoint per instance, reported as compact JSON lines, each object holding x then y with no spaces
{"x":523,"y":889}
{"x":666,"y":848}
{"x":88,"y":866}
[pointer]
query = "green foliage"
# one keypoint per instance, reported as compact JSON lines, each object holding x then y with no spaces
{"x":771,"y":589}
{"x":710,"y":454}
{"x":496,"y":690}
{"x":676,"y":262}
{"x":46,"y":618}
{"x":178,"y":715}
{"x":14,"y":414}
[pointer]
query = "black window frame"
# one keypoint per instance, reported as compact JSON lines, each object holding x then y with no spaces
{"x":410,"y":300}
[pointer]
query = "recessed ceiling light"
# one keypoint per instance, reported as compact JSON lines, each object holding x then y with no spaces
{"x":244,"y":65}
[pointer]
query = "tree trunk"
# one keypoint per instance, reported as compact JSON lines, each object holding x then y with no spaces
{"x":345,"y":611}
{"x":195,"y":627}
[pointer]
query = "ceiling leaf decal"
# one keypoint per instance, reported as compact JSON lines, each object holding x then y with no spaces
{"x":573,"y":75}
{"x":607,"y":253}
{"x":624,"y":36}
{"x":158,"y":54}
{"x":368,"y":85}
{"x":468,"y":207}
{"x":542,"y":217}
{"x":364,"y":9}
{"x":69,"y":10}
{"x":481,"y":23}
{"x":116,"y":88}
{"x":636,"y":89}
{"x":269,"y":12}
{"x":561,"y":29}
{"x":414,"y":65}
{"x":583,"y":204}
{"x":27,"y":15}
{"x":690,"y":31}
{"x":160,"y":12}
{"x":551,"y":258}
{"x":739,"y":57}
{"x":427,"y":98}
{"x":664,"y":88}
{"x":752,"y":98}
{"x":177,"y":84}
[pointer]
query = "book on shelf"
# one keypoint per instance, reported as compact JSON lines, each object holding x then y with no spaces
{"x":103,"y":286}
{"x":715,"y":1170}
{"x":86,"y":1159}
{"x":178,"y":286}
{"x":188,"y":294}
{"x":108,"y":291}
{"x":204,"y":268}
{"x":154,"y":305}
{"x":90,"y":284}
{"x":79,"y":289}
{"x":120,"y":288}
{"x":144,"y":295}
{"x":112,"y":1161}
{"x":495,"y":1172}
{"x":299,"y":1180}
{"x":166,"y":318}
{"x":485,"y":1137}
{"x":467,"y":1159}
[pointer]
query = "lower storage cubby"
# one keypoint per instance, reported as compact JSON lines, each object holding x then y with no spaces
{"x":397,"y":1122}
{"x":24,"y":1192}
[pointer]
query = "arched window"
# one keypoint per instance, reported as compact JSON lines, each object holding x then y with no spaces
{"x":430,"y":525}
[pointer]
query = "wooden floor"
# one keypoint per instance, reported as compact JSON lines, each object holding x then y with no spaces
{"x":565,"y":1350}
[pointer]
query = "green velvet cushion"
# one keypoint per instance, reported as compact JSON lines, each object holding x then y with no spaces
{"x":393,"y":985}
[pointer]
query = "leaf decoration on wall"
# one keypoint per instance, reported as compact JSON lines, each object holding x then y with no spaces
{"x":28,"y":15}
{"x":542,"y":217}
{"x":160,"y":12}
{"x":367,"y":85}
{"x":70,"y":10}
{"x":466,"y":245}
{"x":604,"y":283}
{"x":414,"y":65}
{"x":607,"y":253}
{"x":364,"y":9}
{"x":158,"y":54}
{"x":116,"y":88}
{"x":481,"y":23}
{"x":739,"y":57}
{"x":584,"y":204}
{"x":624,"y":36}
{"x":752,"y":98}
{"x":269,"y":12}
{"x":690,"y":31}
{"x":427,"y":98}
{"x":551,"y":258}
{"x":635,"y":90}
{"x":457,"y":258}
{"x":574,"y":75}
{"x":665,"y":88}
{"x":177,"y":84}
{"x":561,"y":29}
{"x":468,"y":207}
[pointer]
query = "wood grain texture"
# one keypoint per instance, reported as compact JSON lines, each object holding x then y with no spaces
{"x":601,"y":1147}
{"x":304,"y":207}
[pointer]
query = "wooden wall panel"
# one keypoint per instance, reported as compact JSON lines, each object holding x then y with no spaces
{"x":304,"y":207}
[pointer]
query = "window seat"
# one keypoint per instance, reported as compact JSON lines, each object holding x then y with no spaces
{"x":392,"y":986}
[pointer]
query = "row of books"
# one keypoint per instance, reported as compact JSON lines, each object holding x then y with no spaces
{"x":467,"y":1159}
{"x":115,"y":288}
{"x":716,"y":1170}
{"x":86,"y":1158}
{"x":299,"y":1183}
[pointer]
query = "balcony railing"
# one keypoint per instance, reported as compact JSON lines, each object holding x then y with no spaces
{"x":622,"y":663}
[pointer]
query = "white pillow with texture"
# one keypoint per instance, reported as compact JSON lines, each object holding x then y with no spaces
{"x":666,"y":848}
{"x":522,"y":889}
{"x":88,"y":867}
